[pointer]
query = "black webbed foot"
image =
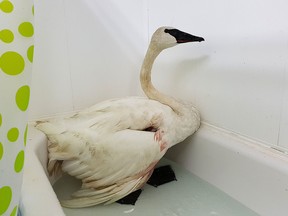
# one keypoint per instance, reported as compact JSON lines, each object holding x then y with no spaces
{"x":131,"y":198}
{"x":162,"y":175}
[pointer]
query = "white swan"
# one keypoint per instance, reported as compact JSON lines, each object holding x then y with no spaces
{"x":114,"y":146}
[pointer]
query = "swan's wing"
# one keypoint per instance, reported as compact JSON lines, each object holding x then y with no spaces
{"x":105,"y":118}
{"x":135,"y":113}
{"x":110,"y":167}
{"x":107,"y":147}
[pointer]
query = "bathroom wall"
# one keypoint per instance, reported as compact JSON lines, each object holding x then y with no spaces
{"x":87,"y":51}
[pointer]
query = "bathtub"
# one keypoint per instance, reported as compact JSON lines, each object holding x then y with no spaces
{"x":253,"y":174}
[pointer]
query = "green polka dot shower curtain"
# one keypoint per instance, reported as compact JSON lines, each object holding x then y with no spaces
{"x":16,"y":57}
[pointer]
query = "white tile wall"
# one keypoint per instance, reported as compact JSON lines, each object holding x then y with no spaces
{"x":283,"y":135}
{"x":51,"y":87}
{"x":87,"y":51}
{"x":236,"y":77}
{"x":105,"y":48}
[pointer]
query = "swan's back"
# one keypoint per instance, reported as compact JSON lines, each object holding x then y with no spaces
{"x":133,"y":113}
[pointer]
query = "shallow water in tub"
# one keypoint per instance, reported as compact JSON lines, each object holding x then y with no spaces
{"x":189,"y":195}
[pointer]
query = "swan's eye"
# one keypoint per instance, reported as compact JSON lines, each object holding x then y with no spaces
{"x":169,"y":31}
{"x":172,"y":32}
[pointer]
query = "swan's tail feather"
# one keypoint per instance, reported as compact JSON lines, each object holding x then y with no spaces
{"x":86,"y":197}
{"x":50,"y":127}
{"x":59,"y":144}
{"x":56,"y":158}
{"x":91,"y":197}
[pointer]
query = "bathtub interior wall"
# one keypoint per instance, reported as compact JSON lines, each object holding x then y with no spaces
{"x":88,"y":51}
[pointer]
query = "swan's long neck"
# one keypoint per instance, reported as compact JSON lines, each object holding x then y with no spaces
{"x":147,"y":86}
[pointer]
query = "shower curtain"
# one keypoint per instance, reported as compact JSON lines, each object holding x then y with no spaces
{"x":16,"y":57}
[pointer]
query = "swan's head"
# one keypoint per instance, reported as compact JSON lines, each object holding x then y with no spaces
{"x":165,"y":37}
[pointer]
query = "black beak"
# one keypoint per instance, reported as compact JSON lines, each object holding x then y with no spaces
{"x":183,"y":37}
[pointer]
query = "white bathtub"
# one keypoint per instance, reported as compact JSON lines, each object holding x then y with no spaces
{"x":253,"y":174}
{"x":37,"y":195}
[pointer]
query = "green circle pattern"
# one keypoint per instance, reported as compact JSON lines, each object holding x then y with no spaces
{"x":19,"y":162}
{"x":13,"y":134}
{"x":6,"y":36}
{"x":12,"y":63}
{"x":6,"y":6}
{"x":1,"y":150}
{"x":30,"y":53}
{"x":5,"y":198}
{"x":22,"y":97}
{"x":14,"y":212}
{"x":25,"y":135}
{"x":26,"y":29}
